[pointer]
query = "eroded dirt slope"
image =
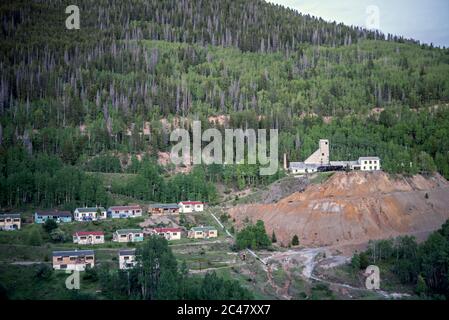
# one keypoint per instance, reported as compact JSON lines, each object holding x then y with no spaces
{"x":355,"y":207}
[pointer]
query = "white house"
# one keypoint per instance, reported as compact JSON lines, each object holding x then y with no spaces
{"x":127,"y":259}
{"x":319,"y":162}
{"x":303,"y":168}
{"x":88,"y":237}
{"x":73,"y":260}
{"x":369,"y":163}
{"x":10,"y":221}
{"x":128,"y":235}
{"x":203,"y":232}
{"x":191,"y":206}
{"x":89,"y":214}
{"x":168,"y":233}
{"x":125,"y":212}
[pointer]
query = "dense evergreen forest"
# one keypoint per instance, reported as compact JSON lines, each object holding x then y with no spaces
{"x":73,"y":102}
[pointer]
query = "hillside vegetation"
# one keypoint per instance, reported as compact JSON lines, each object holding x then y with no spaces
{"x":79,"y":98}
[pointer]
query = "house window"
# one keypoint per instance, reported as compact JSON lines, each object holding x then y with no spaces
{"x":83,"y":238}
{"x":175,"y":233}
{"x":72,"y":258}
{"x":97,"y":237}
{"x":59,"y":259}
{"x":123,"y":235}
{"x":126,"y":258}
{"x":16,"y":220}
{"x":371,"y":168}
{"x":63,"y":266}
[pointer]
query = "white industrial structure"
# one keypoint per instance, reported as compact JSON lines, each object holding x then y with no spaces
{"x":319,"y":162}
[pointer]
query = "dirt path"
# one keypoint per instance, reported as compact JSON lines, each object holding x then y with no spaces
{"x":308,"y":259}
{"x":28,"y":263}
{"x":216,"y":268}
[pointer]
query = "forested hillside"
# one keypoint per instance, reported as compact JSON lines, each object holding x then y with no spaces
{"x":69,"y":99}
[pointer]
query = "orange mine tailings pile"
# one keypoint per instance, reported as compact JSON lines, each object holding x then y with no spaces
{"x":352,"y":208}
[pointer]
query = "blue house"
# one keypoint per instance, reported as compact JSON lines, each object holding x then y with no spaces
{"x":58,"y":216}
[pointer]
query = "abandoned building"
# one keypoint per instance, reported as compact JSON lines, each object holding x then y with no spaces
{"x":319,"y":162}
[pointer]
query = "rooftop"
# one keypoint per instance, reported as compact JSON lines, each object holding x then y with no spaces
{"x":190,"y":202}
{"x":127,"y":252}
{"x":90,"y":209}
{"x":302,"y":165}
{"x":126,"y":231}
{"x":369,"y":158}
{"x":133,"y":207}
{"x":72,"y":253}
{"x":165,"y":206}
{"x":9,"y":215}
{"x":206,"y":228}
{"x":54,"y":213}
{"x":89,"y":233}
{"x":164,"y":230}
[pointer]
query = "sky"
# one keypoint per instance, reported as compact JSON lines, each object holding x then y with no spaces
{"x":423,"y":20}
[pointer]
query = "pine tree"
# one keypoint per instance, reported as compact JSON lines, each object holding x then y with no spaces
{"x":295,"y":240}
{"x":421,"y":287}
{"x":273,"y":238}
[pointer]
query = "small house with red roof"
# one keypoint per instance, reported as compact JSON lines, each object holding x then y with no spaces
{"x":88,"y":237}
{"x":168,"y":233}
{"x":191,"y":206}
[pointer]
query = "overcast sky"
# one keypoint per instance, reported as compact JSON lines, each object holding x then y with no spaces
{"x":424,"y":20}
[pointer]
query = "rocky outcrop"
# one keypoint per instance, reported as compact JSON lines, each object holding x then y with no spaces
{"x":355,"y":207}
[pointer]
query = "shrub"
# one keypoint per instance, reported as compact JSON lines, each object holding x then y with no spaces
{"x":43,"y":271}
{"x":50,"y":225}
{"x":34,"y":238}
{"x":57,"y":235}
{"x":295,"y":240}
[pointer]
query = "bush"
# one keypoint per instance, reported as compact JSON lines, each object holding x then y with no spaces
{"x":253,"y":237}
{"x":50,"y":225}
{"x":43,"y":271}
{"x":364,"y":260}
{"x":34,"y":238}
{"x":58,"y":235}
{"x":295,"y":240}
{"x":273,"y":238}
{"x":224,"y":218}
{"x":355,"y":262}
{"x":91,"y":274}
